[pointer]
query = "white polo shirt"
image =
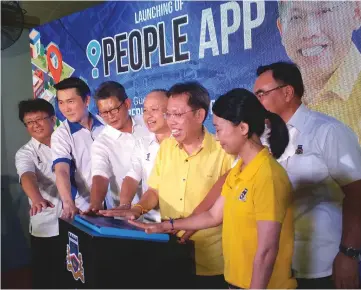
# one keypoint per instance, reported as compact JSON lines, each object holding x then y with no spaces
{"x":323,"y":154}
{"x":142,"y":163}
{"x":36,"y":157}
{"x":71,"y":143}
{"x":111,"y":157}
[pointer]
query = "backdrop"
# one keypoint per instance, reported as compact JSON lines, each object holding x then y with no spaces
{"x":147,"y":45}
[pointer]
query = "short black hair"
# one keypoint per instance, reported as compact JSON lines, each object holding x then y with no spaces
{"x":198,"y":95}
{"x":111,"y":89}
{"x":287,"y":74}
{"x":240,"y":105}
{"x":35,"y":105}
{"x":78,"y":84}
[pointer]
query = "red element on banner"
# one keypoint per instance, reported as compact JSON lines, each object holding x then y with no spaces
{"x":55,"y":71}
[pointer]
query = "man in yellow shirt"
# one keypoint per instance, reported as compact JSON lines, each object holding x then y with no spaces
{"x":187,"y":166}
{"x":317,"y":36}
{"x":255,"y":205}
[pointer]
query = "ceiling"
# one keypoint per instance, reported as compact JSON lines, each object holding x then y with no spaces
{"x":46,"y":11}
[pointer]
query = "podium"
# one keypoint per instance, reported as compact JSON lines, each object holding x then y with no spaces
{"x":102,"y":252}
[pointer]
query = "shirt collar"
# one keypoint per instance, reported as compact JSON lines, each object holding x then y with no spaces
{"x":343,"y":79}
{"x":115,"y":134}
{"x":299,"y":118}
{"x":76,"y":126}
{"x":206,"y":143}
{"x":36,"y":143}
{"x":152,"y":138}
{"x":251,"y":169}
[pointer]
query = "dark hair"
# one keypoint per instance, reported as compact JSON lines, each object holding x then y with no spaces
{"x":111,"y":89}
{"x":287,"y":74}
{"x":160,"y":91}
{"x":78,"y":84}
{"x":198,"y":95}
{"x":240,"y":105}
{"x":35,"y":105}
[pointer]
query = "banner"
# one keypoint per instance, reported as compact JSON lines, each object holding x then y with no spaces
{"x":152,"y":45}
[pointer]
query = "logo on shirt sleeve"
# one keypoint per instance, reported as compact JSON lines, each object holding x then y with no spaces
{"x":242,"y":197}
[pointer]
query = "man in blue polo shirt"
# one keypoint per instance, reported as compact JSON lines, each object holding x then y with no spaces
{"x":71,"y":143}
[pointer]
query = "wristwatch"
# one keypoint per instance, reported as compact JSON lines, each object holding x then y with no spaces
{"x":350,"y":252}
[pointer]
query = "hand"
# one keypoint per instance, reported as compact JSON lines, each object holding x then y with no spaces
{"x":92,"y":210}
{"x":186,"y":236}
{"x":150,"y":228}
{"x":69,"y":210}
{"x":38,"y":205}
{"x":129,"y":214}
{"x":345,"y":272}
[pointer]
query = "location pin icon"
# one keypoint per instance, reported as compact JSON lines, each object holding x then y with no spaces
{"x":55,"y":70}
{"x":93,"y":52}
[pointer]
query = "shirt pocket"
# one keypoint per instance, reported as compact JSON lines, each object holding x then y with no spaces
{"x":306,"y":170}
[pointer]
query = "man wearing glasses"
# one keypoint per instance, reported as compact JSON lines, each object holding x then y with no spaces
{"x":145,"y":151}
{"x":323,"y":161}
{"x":112,"y":150}
{"x":187,"y":168}
{"x":71,"y":143}
{"x":33,"y":163}
{"x":317,"y":35}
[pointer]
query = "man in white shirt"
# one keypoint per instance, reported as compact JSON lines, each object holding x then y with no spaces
{"x":146,"y":149}
{"x":323,"y":161}
{"x":70,"y":145}
{"x":112,"y":151}
{"x":33,"y":164}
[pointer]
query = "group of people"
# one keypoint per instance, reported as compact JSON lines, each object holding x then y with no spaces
{"x":272,"y":200}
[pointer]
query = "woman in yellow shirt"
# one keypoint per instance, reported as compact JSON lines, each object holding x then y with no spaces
{"x":255,"y":204}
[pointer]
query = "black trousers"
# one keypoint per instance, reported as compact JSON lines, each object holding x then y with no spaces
{"x":46,"y":262}
{"x":210,"y":282}
{"x":317,"y":283}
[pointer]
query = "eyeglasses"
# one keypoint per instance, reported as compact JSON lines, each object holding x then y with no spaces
{"x":177,"y":116}
{"x":111,"y":112}
{"x":37,"y":121}
{"x":260,"y":94}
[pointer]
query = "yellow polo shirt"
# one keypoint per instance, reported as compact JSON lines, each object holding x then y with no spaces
{"x":261,"y":192}
{"x":182,"y":182}
{"x":341,"y":96}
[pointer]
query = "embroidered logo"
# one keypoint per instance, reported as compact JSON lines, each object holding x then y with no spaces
{"x":147,"y":158}
{"x":242,"y":197}
{"x":299,"y":150}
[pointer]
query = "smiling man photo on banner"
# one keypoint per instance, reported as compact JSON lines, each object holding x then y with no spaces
{"x":33,"y":164}
{"x":186,"y":169}
{"x":71,"y":144}
{"x":323,"y":162}
{"x":112,"y":150}
{"x":317,"y":36}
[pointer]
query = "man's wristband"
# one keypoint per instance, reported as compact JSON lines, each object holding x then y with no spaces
{"x":350,"y":252}
{"x":143,"y":211}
